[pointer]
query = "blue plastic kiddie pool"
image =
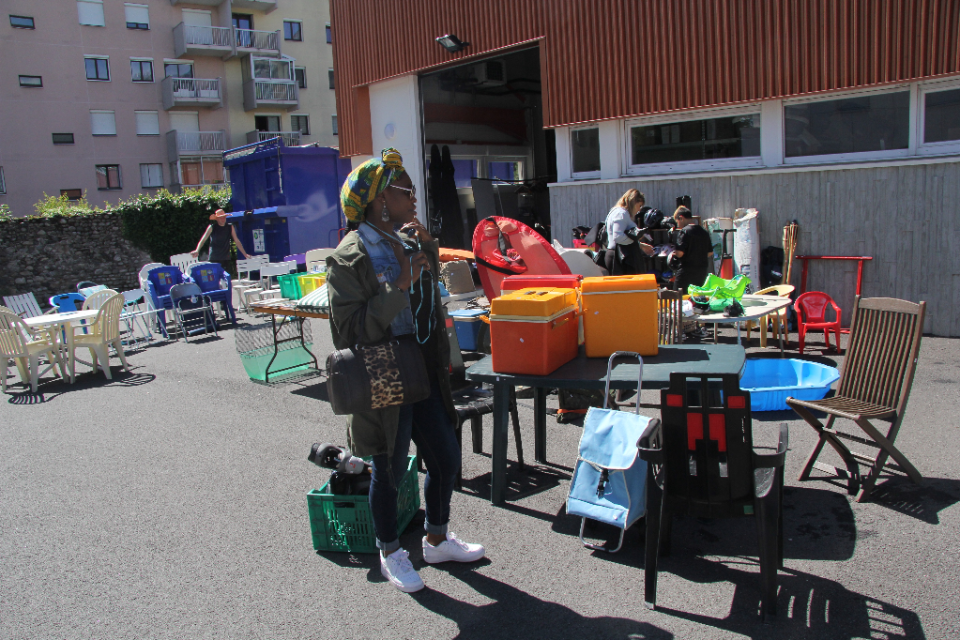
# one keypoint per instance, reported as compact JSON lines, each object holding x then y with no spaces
{"x":771,"y":381}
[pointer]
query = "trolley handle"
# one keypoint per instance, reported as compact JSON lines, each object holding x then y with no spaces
{"x":622,"y":354}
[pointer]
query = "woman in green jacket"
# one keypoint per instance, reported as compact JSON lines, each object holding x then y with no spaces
{"x":380,"y":286}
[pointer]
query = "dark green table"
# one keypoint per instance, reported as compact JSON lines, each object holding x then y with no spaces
{"x":590,"y":373}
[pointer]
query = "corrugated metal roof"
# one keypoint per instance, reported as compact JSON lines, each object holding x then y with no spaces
{"x":603,"y":59}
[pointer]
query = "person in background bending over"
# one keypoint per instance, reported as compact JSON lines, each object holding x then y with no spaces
{"x":622,"y":257}
{"x":220,"y":235}
{"x":375,"y":284}
{"x":693,"y":252}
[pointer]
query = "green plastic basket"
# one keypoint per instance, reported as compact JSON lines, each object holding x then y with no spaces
{"x":344,"y":523}
{"x":290,"y":286}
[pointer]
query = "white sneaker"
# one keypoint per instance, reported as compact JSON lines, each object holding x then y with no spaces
{"x":451,"y":549}
{"x":397,"y":568}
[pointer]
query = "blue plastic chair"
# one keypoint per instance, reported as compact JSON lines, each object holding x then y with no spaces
{"x":65,"y":302}
{"x":215,"y":284}
{"x":159,"y":283}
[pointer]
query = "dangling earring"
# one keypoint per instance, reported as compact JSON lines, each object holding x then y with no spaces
{"x":385,"y":213}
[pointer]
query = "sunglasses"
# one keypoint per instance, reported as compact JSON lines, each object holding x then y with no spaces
{"x":411,"y":192}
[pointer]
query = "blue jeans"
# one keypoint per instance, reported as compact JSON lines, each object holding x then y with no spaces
{"x":430,"y":427}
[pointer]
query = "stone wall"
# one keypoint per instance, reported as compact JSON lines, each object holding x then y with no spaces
{"x":51,"y":255}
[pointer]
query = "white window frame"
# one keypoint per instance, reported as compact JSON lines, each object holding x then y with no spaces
{"x":94,"y":57}
{"x":81,"y":3}
{"x":933,"y":148}
{"x":104,"y":111}
{"x":153,"y":67}
{"x":860,"y":156}
{"x":151,"y":164}
{"x":690,"y":166}
{"x":585,"y":175}
{"x":299,"y":22}
{"x":136,"y":118}
{"x":309,"y":124}
{"x":131,"y":5}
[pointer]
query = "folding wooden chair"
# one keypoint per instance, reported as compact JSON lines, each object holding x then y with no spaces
{"x":874,"y":384}
{"x":670,"y":316}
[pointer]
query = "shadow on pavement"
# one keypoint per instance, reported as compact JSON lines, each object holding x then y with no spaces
{"x":521,"y":615}
{"x":807,"y":606}
{"x":53,"y":389}
{"x":520,"y":484}
{"x":923,"y":502}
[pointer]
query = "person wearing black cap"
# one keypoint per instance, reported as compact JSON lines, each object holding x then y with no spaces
{"x":693,"y":252}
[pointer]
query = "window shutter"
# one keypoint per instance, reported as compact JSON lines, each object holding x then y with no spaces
{"x":148,"y":123}
{"x":103,"y":123}
{"x":91,"y":12}
{"x":137,"y":13}
{"x":151,"y":175}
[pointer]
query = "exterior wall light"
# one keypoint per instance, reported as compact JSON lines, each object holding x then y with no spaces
{"x":452,"y":43}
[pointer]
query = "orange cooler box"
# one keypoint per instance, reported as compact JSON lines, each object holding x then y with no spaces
{"x":533,"y":331}
{"x":620,"y":314}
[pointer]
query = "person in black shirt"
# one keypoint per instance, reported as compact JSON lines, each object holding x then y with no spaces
{"x":694,"y":249}
{"x":220,"y":235}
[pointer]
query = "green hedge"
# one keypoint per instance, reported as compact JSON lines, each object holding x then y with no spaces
{"x":166,"y":224}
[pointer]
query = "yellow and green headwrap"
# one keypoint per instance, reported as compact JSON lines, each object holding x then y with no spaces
{"x":368,"y":181}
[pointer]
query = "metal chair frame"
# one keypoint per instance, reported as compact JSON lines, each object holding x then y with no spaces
{"x":197,"y":302}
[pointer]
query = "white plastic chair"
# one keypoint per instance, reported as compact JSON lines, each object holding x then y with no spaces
{"x":183,"y":261}
{"x":317,"y":258}
{"x":268,"y":275}
{"x":244,"y":282}
{"x":104,"y":333}
{"x":21,"y":344}
{"x":96,"y":300}
{"x":136,"y":306}
{"x":24,"y":305}
{"x":148,"y":301}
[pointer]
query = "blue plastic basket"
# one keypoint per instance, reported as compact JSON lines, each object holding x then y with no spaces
{"x":771,"y":381}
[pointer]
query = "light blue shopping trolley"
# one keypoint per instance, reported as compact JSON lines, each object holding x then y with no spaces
{"x":609,"y":480}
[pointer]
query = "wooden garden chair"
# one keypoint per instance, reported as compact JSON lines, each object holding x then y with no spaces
{"x":670,"y":316}
{"x":874,"y":383}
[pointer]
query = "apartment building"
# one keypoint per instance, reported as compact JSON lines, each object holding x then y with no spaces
{"x":110,"y":98}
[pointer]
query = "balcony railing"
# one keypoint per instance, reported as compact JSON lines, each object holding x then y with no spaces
{"x":199,"y":39}
{"x":181,"y":143}
{"x":258,"y":40}
{"x":290,"y":138}
{"x":284,"y":93}
{"x":179,"y":92}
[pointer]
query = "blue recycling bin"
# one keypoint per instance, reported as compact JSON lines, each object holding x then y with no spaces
{"x":286,"y":200}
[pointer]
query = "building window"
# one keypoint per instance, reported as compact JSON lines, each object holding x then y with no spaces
{"x":334,"y":119}
{"x":21,"y":22}
{"x":292,"y":30}
{"x":329,"y":35}
{"x":301,"y":75}
{"x":243,"y":24}
{"x":103,"y":123}
{"x":178,"y":69}
{"x":97,"y":68}
{"x":941,"y":116}
{"x":31,"y":81}
{"x":330,"y":77}
{"x":63,"y":138}
{"x":72,"y":194}
{"x":138,"y":16}
{"x":272,"y":69}
{"x":91,"y":12}
{"x":266,"y":123}
{"x":151,"y":175}
{"x":3,"y":182}
{"x":108,"y":177}
{"x":141,"y":70}
{"x":148,"y":123}
{"x":585,"y":144}
{"x":873,"y":122}
{"x":690,"y":140}
{"x":301,"y":124}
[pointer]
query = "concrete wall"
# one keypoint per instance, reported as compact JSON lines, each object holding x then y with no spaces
{"x":906,"y":217}
{"x":51,"y":255}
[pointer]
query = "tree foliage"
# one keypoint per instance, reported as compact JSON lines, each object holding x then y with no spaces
{"x":52,"y":206}
{"x":166,"y":224}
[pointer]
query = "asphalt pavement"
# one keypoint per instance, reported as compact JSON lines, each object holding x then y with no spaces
{"x":170,"y":502}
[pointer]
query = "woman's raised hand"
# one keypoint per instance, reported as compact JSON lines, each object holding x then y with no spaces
{"x":417,"y":227}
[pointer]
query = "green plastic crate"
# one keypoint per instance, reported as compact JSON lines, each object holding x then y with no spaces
{"x":344,"y":523}
{"x":290,"y":286}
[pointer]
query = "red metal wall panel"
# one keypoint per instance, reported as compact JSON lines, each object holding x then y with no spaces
{"x":603,"y":59}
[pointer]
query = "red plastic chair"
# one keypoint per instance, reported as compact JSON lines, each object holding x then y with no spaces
{"x":811,"y":308}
